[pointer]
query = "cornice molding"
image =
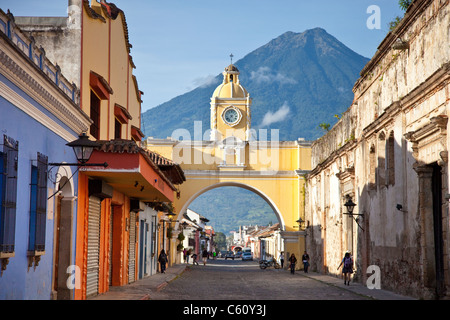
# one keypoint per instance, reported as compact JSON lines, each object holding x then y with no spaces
{"x":35,"y":84}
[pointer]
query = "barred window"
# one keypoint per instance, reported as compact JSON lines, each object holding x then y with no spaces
{"x":9,"y":151}
{"x":38,"y":204}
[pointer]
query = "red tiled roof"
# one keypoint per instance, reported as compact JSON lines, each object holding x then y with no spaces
{"x":171,"y":172}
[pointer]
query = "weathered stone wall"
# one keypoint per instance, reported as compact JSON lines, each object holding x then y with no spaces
{"x":397,"y":124}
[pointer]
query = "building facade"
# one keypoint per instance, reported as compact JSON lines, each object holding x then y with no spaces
{"x":92,"y":46}
{"x":40,"y":114}
{"x":234,"y":154}
{"x":389,"y":155}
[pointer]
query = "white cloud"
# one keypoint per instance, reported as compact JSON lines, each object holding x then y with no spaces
{"x":205,"y":81}
{"x":264,"y":74}
{"x":277,"y":116}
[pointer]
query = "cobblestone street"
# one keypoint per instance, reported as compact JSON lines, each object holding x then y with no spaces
{"x":235,"y":280}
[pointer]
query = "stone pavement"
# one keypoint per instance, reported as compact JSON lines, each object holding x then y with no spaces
{"x":143,"y":289}
{"x":355,"y":287}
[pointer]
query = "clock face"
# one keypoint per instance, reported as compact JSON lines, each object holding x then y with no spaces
{"x":231,"y":116}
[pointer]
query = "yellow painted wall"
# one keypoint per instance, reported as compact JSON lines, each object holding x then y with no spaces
{"x":105,"y":52}
{"x":284,"y":189}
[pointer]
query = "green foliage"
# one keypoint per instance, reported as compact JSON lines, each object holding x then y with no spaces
{"x":393,"y":24}
{"x":221,"y":241}
{"x":324,"y":126}
{"x":227,"y":208}
{"x":404,"y":4}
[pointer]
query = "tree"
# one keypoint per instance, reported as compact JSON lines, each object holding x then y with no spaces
{"x":404,"y":4}
{"x":221,"y":240}
{"x":325,"y":126}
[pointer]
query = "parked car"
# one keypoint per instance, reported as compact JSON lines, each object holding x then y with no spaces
{"x":238,"y":254}
{"x":247,"y":255}
{"x":230,"y":255}
{"x":223,"y":254}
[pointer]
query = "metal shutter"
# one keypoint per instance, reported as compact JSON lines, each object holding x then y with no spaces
{"x":93,"y":249}
{"x":132,"y":250}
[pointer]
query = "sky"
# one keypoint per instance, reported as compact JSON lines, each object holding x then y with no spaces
{"x":178,"y":45}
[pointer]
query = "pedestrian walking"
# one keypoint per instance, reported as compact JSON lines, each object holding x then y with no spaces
{"x":194,"y":259}
{"x":184,"y":255}
{"x":205,"y":256}
{"x":188,"y":254}
{"x":162,"y":261}
{"x":282,"y":259}
{"x":347,"y":268}
{"x":305,"y":260}
{"x":292,"y":262}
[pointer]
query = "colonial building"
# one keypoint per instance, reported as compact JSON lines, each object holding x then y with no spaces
{"x":389,"y":155}
{"x":92,"y":46}
{"x":39,"y":115}
{"x":232,"y":153}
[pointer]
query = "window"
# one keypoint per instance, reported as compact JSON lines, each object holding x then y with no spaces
{"x":117,"y":129}
{"x":372,"y":167}
{"x":38,"y":204}
{"x":390,"y":159}
{"x":8,"y":192}
{"x":381,"y":159}
{"x":95,"y":116}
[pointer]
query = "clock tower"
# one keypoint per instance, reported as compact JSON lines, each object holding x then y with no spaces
{"x":230,"y":108}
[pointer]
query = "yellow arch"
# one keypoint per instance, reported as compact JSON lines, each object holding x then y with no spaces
{"x":240,"y":185}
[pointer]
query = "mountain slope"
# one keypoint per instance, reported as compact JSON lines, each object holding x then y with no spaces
{"x":246,"y":208}
{"x":307,"y":77}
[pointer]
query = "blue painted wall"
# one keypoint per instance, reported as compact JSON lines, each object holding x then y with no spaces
{"x":17,"y":282}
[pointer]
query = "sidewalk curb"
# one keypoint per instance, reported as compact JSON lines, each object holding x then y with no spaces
{"x":358,"y":288}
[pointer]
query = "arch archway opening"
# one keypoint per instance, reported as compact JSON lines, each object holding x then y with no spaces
{"x":272,"y":212}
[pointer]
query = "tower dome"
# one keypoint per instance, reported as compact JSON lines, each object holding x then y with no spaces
{"x":230,"y":87}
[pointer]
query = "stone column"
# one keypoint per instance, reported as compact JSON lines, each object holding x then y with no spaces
{"x":425,"y":174}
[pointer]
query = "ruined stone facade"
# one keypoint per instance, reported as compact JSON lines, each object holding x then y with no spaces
{"x":388,"y":152}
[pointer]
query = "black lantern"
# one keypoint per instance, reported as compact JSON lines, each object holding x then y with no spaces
{"x":350,"y":205}
{"x":83,"y":148}
{"x":171,"y":215}
{"x":300,"y":222}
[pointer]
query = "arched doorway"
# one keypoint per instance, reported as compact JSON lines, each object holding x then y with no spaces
{"x":63,"y":235}
{"x":258,"y":192}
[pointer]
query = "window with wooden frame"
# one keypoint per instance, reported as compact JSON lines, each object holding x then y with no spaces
{"x":95,"y":116}
{"x":122,"y":116}
{"x":9,"y":152}
{"x":38,"y":205}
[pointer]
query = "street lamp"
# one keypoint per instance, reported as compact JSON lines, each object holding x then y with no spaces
{"x":170,"y":214}
{"x":300,"y":221}
{"x":350,"y":205}
{"x":83,"y":148}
